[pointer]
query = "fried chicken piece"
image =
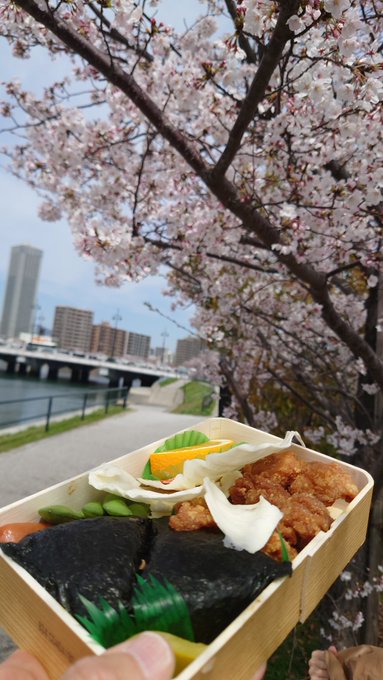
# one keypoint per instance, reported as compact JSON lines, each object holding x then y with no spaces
{"x":325,"y":481}
{"x":306,"y":516}
{"x":240,"y":489}
{"x":248,"y":489}
{"x":273,"y":548}
{"x":281,"y":468}
{"x":288,"y":533}
{"x":192,"y":515}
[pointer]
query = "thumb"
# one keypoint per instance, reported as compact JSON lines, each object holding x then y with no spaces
{"x":260,"y":674}
{"x":145,"y":657}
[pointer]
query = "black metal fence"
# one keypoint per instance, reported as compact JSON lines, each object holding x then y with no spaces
{"x":17,"y":411}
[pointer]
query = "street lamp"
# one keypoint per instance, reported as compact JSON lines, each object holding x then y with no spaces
{"x":116,"y":318}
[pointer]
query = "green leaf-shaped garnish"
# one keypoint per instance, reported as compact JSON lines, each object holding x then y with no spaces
{"x":284,"y":551}
{"x":159,"y":606}
{"x":155,"y":605}
{"x":107,"y":626}
{"x":178,"y":441}
{"x":183,"y":439}
{"x":147,"y":472}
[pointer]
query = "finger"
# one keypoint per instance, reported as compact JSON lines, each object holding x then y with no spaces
{"x":318,"y":666}
{"x":145,"y":657}
{"x":260,"y":674}
{"x":22,"y":666}
{"x":318,"y":660}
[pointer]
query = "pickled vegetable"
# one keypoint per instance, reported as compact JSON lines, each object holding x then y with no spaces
{"x":184,"y":650}
{"x":15,"y":532}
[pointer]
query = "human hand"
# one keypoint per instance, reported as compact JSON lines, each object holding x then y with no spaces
{"x":318,"y":669}
{"x":145,"y":657}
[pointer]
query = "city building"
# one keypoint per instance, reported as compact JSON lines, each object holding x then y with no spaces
{"x":72,"y":328}
{"x":138,"y":345}
{"x":108,"y":340}
{"x":20,"y":309}
{"x":187,"y":349}
{"x":156,"y":352}
{"x":161,"y":355}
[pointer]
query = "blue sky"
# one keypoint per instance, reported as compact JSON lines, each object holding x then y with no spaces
{"x":66,"y":278}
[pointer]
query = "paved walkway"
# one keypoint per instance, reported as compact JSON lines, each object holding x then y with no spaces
{"x":36,"y":466}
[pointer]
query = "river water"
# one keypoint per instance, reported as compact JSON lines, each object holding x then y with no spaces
{"x":68,"y":396}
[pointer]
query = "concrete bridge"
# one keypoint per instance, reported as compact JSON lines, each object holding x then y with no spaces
{"x":23,"y":362}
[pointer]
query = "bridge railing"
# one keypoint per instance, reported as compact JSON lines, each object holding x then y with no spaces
{"x":45,"y":408}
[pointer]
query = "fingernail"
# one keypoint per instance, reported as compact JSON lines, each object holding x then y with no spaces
{"x":152,"y":654}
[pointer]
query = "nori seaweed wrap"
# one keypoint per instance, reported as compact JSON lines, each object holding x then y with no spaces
{"x":217,"y":583}
{"x":91,"y":557}
{"x":100,"y":557}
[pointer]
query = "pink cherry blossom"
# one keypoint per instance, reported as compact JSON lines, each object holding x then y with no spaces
{"x":244,"y":155}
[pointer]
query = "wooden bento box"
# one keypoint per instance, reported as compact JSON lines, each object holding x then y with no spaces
{"x":36,"y":622}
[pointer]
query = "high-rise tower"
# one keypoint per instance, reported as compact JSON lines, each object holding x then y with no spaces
{"x":20,"y":292}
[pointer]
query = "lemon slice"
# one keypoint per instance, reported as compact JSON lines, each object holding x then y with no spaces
{"x":169,"y":463}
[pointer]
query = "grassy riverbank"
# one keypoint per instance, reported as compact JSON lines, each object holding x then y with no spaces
{"x":37,"y":432}
{"x":198,"y":399}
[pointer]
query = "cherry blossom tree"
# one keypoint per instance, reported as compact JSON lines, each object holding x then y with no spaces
{"x":245,"y":155}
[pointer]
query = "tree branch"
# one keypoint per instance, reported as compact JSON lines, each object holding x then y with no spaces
{"x":244,"y":264}
{"x":223,"y":189}
{"x":78,"y":44}
{"x":343,"y":268}
{"x":235,"y":391}
{"x":117,"y":36}
{"x":242,"y":40}
{"x":273,"y":52}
